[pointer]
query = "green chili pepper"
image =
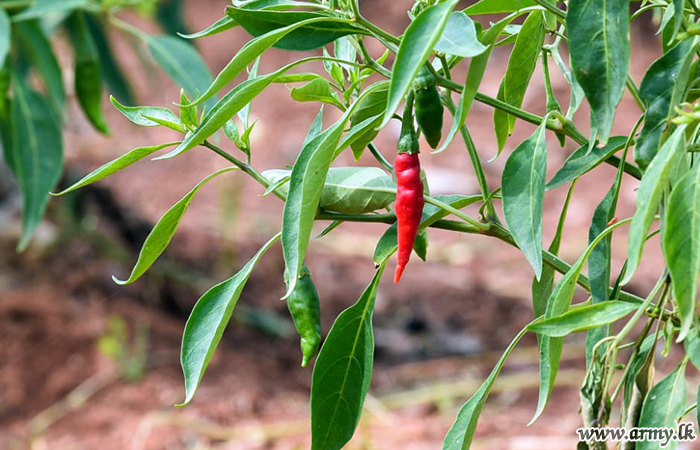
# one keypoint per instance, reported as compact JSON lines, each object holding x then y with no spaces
{"x":304,"y":307}
{"x":428,"y":107}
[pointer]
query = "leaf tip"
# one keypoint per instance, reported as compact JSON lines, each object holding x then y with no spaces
{"x":119,"y":282}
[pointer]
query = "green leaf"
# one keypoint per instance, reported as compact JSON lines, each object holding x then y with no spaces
{"x":663,"y":405}
{"x":149,"y":116}
{"x":343,"y":372}
{"x":208,"y":321}
{"x":477,"y":68}
{"x":388,"y":243}
{"x":600,"y":54}
{"x":305,"y":189}
{"x":348,"y":190}
{"x":181,"y":62}
{"x":498,"y":6}
{"x":188,"y":112}
{"x":461,"y":433}
{"x":318,"y":90}
{"x":360,"y":136}
{"x":601,"y":255}
{"x":223,"y":24}
{"x":656,"y":90}
{"x":583,"y":318}
{"x":654,"y":183}
{"x":316,"y":127}
{"x":583,"y":160}
{"x":40,"y":8}
{"x":521,"y":66}
{"x":5,"y":35}
{"x":523,"y":195}
{"x":169,"y":14}
{"x":110,"y":70}
{"x":416,"y":45}
{"x":459,"y":37}
{"x":363,"y":132}
{"x":34,"y":42}
{"x":116,"y":165}
{"x":681,"y":244}
{"x":225,"y":109}
{"x":260,"y":44}
{"x":309,"y":36}
{"x":542,"y":288}
{"x":88,"y":80}
{"x":163,"y":231}
{"x":35,"y":155}
{"x":558,"y":304}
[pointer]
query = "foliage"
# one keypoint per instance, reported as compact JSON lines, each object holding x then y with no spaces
{"x":369,"y":90}
{"x":31,"y":121}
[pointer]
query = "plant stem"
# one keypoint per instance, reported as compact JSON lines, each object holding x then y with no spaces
{"x":490,"y":212}
{"x":444,"y":206}
{"x":566,"y":126}
{"x":635,"y":93}
{"x":380,"y":158}
{"x":470,"y":225}
{"x":546,"y":4}
{"x":379,"y":32}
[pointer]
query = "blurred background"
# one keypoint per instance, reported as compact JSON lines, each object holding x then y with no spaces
{"x":87,"y":364}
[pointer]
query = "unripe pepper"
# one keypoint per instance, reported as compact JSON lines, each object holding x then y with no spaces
{"x":305,"y":310}
{"x":409,"y":192}
{"x":429,"y":110}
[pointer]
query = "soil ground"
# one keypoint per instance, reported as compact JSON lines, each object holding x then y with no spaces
{"x":438,"y":333}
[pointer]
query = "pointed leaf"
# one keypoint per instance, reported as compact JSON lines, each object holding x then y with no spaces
{"x":35,"y":154}
{"x":654,"y":183}
{"x":149,"y":116}
{"x":223,"y":24}
{"x":208,"y":321}
{"x":225,"y":109}
{"x":477,"y":68}
{"x":182,"y":63}
{"x":40,"y":8}
{"x":681,"y":243}
{"x":40,"y":52}
{"x":558,"y":304}
{"x":663,"y":405}
{"x":461,"y":433}
{"x":600,"y":53}
{"x":523,"y":195}
{"x":343,"y":372}
{"x":521,"y":66}
{"x":656,"y":90}
{"x":256,"y":47}
{"x":116,"y":165}
{"x":416,"y":45}
{"x":5,"y":35}
{"x":110,"y":70}
{"x":318,"y":90}
{"x":163,"y":231}
{"x":305,"y":188}
{"x":88,"y":78}
{"x":498,"y":6}
{"x":348,"y":190}
{"x":459,"y":37}
{"x":307,"y":36}
{"x":583,"y":318}
{"x":583,"y":160}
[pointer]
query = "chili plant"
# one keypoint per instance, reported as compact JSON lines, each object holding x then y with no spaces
{"x":31,"y":120}
{"x":588,"y":42}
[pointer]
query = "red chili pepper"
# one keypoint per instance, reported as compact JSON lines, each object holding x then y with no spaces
{"x":409,"y":198}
